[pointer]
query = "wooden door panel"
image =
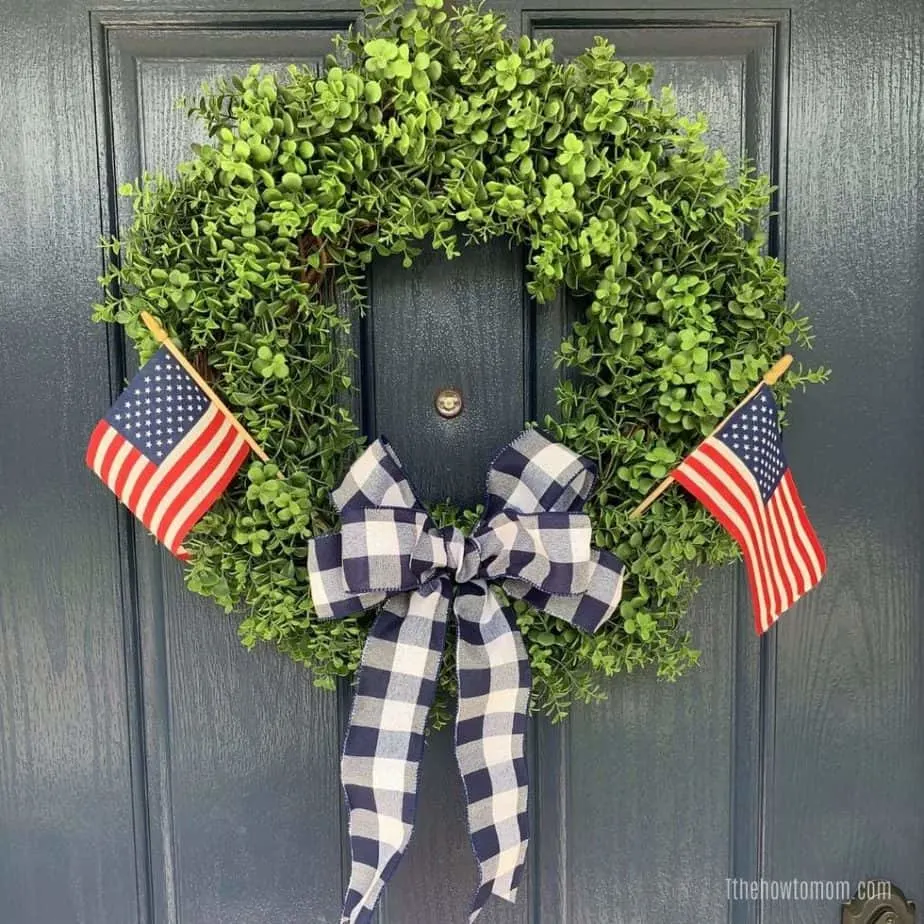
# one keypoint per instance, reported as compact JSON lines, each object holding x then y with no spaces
{"x":844,"y":789}
{"x":242,"y":752}
{"x":459,"y":323}
{"x":667,"y":775}
{"x":67,"y":840}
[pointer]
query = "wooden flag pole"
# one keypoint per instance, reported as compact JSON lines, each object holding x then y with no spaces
{"x":161,"y":336}
{"x":771,"y":377}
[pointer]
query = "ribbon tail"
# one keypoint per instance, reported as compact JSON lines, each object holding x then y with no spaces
{"x":494,"y":683}
{"x":385,"y":739}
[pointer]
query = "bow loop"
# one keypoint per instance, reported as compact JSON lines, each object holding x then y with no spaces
{"x":376,"y":547}
{"x":375,"y":479}
{"x":535,"y":475}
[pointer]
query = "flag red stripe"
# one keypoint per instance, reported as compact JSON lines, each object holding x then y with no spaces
{"x":106,"y":438}
{"x":102,"y":449}
{"x":800,"y":537}
{"x":758,"y":558}
{"x":780,"y":551}
{"x":118,"y":485}
{"x":243,"y":451}
{"x":190,"y":470}
{"x":95,"y":438}
{"x":776,"y":510}
{"x":804,"y":568}
{"x":716,"y":496}
{"x":135,"y":491}
{"x":125,"y":447}
{"x":762,"y":539}
{"x":111,"y":451}
{"x":783,"y":552}
{"x":814,"y":576}
{"x":690,"y":476}
{"x":775,"y":555}
{"x":201,"y":469}
{"x":164,"y":471}
{"x":799,"y":548}
{"x":788,"y":551}
{"x":808,"y":530}
{"x":795,"y":539}
{"x":179,"y":459}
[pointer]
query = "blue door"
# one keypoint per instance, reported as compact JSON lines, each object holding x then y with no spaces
{"x":154,"y":772}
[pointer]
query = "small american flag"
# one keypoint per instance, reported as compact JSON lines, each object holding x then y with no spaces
{"x":741,"y":477}
{"x":167,"y":450}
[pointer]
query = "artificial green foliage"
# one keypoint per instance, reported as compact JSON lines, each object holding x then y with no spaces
{"x":434,"y":125}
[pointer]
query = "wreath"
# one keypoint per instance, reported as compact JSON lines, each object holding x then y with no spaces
{"x":434,"y":125}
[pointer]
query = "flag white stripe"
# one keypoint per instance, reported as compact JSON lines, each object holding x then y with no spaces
{"x":192,"y":470}
{"x":218,"y":472}
{"x":806,"y":541}
{"x":163,"y":470}
{"x":778,"y":506}
{"x":784,"y":552}
{"x":763,"y":565}
{"x":762,"y":529}
{"x":707,"y":488}
{"x":774,"y":555}
{"x":791,"y":537}
{"x":101,"y":451}
{"x":797,"y":555}
{"x":141,"y":463}
{"x":121,"y":455}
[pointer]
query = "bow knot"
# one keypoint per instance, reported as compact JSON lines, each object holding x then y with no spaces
{"x":534,"y":544}
{"x":448,"y":548}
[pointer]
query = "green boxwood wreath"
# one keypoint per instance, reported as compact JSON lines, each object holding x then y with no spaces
{"x":434,"y":124}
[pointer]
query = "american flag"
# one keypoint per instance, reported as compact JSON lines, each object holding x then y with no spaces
{"x":741,"y":477}
{"x":166,"y":450}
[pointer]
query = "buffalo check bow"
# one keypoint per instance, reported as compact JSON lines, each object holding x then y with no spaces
{"x":533,"y":543}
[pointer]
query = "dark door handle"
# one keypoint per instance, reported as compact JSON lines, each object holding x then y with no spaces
{"x":878,"y":902}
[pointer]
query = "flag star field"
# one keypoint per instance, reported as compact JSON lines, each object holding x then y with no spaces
{"x":753,"y":434}
{"x":159,"y":408}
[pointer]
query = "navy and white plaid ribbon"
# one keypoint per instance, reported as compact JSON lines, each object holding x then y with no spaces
{"x":533,"y":542}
